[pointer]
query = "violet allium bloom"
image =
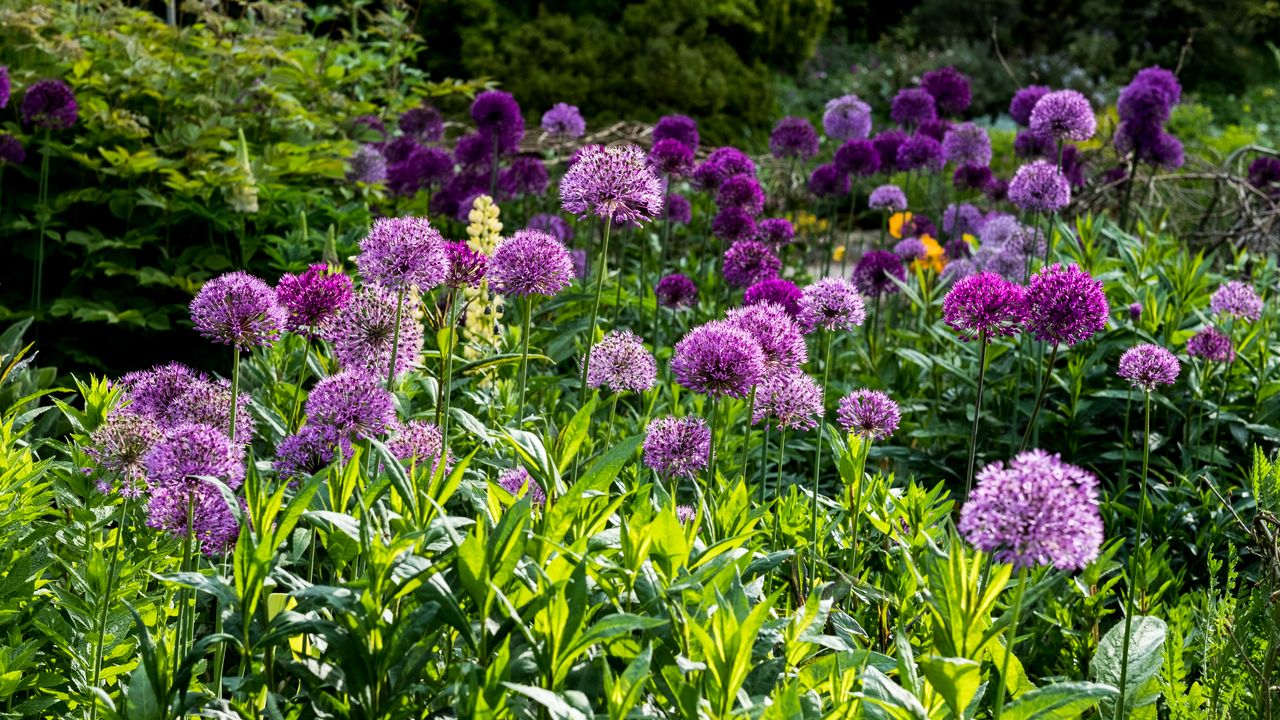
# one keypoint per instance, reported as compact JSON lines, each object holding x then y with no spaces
{"x":1039,"y":187}
{"x":918,"y":225}
{"x":1236,"y":300}
{"x":310,"y":450}
{"x":676,"y":292}
{"x":190,"y":452}
{"x":777,"y":333}
{"x":1064,"y":115}
{"x":520,"y":484}
{"x":788,"y":399}
{"x":1263,"y":172}
{"x":961,"y":218}
{"x":826,"y":181}
{"x":793,"y":137}
{"x":526,"y":175}
{"x":353,"y":401}
{"x":1073,"y":165}
{"x":313,"y":297}
{"x":1135,"y":311}
{"x":957,"y":249}
{"x":741,"y":191}
{"x":530,"y":262}
{"x":1024,"y":101}
{"x":1146,"y":365}
{"x":612,"y":182}
{"x":497,"y":116}
{"x":174,"y":395}
{"x":936,"y":128}
{"x":1065,"y":305}
{"x":733,"y":224}
{"x":579,"y":257}
{"x":419,"y":442}
{"x":920,"y":152}
{"x":363,"y":333}
{"x":869,"y":414}
{"x":420,"y":169}
{"x":1165,"y":80}
{"x":846,"y":118}
{"x":621,"y":362}
{"x":685,"y":514}
{"x":1008,"y":263}
{"x":997,"y":189}
{"x":858,"y":157}
{"x":1030,"y":144}
{"x":677,"y":127}
{"x":366,"y":165}
{"x":4,"y":86}
{"x":1001,"y":230}
{"x":564,"y":121}
{"x":677,"y":447}
{"x":777,"y":233}
{"x":473,"y":151}
{"x":671,"y":157}
{"x":708,"y":175}
{"x":679,"y":211}
{"x":949,"y":88}
{"x":400,"y":253}
{"x":11,"y":150}
{"x":874,"y":272}
{"x":1035,"y":511}
{"x":967,"y":144}
{"x":957,"y":270}
{"x":553,"y":225}
{"x":466,"y":265}
{"x":831,"y":303}
{"x":889,"y":198}
{"x":49,"y":105}
{"x":912,"y":106}
{"x":238,"y":309}
{"x":747,"y":262}
{"x":910,"y":249}
{"x":887,"y":143}
{"x":211,"y":520}
{"x":775,"y":290}
{"x":985,"y":305}
{"x":119,"y":447}
{"x":398,"y":150}
{"x":718,"y":359}
{"x":1211,"y":345}
{"x":1150,"y":145}
{"x":424,"y":124}
{"x":1144,"y":105}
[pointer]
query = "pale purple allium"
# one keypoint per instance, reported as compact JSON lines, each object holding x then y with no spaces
{"x":889,"y":198}
{"x":119,"y":447}
{"x":530,"y":262}
{"x":741,"y":191}
{"x":423,"y":123}
{"x":11,"y":150}
{"x":612,"y":182}
{"x":367,"y":165}
{"x":671,"y":157}
{"x":363,"y":333}
{"x":400,"y":253}
{"x":734,"y":224}
{"x":775,"y":290}
{"x":949,"y":88}
{"x":313,"y":297}
{"x":191,"y":452}
{"x":920,"y":152}
{"x":354,"y":402}
{"x":497,"y":116}
{"x":679,"y":211}
{"x":909,"y":249}
{"x":1237,"y":300}
{"x":831,"y":303}
{"x":912,"y":106}
{"x":936,"y":129}
{"x":1064,"y":115}
{"x":419,"y":442}
{"x":201,"y":510}
{"x":621,"y":362}
{"x":1007,"y":262}
{"x":685,"y":514}
{"x":238,"y":309}
{"x":875,"y":271}
{"x":1041,"y":187}
{"x":1146,"y":365}
{"x":788,"y":399}
{"x":777,"y":233}
{"x":466,"y":265}
{"x":1065,"y":305}
{"x":1035,"y":511}
{"x":718,"y":359}
{"x":967,"y":144}
{"x":1211,"y":345}
{"x":310,"y":450}
{"x":175,"y":395}
{"x":520,"y":484}
{"x":676,"y":292}
{"x":826,"y":181}
{"x":858,"y":157}
{"x":553,"y":225}
{"x":847,"y":118}
{"x":526,"y":175}
{"x":1002,"y":231}
{"x":677,"y":447}
{"x":780,"y":338}
{"x":677,"y":127}
{"x":985,"y":305}
{"x":869,"y":414}
{"x":747,"y":262}
{"x":564,"y":121}
{"x":957,"y":270}
{"x":793,"y":137}
{"x":962,"y":218}
{"x":1024,"y":101}
{"x":49,"y":105}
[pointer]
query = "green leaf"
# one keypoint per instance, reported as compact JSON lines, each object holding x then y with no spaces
{"x":956,"y":679}
{"x":571,"y":436}
{"x":1060,"y":701}
{"x":886,"y":700}
{"x":1146,"y":645}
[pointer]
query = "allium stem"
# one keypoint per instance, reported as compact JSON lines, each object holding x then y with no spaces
{"x":1128,"y":194}
{"x":977,"y":412}
{"x":524,"y":354}
{"x":1035,"y":410}
{"x":395,"y":341}
{"x":1222,"y":395}
{"x":864,"y":450}
{"x":1136,"y":573}
{"x":493,"y":169}
{"x":235,"y":391}
{"x":1008,"y":646}
{"x":446,"y":386}
{"x":107,"y":598}
{"x":43,"y":212}
{"x":613,"y":411}
{"x":764,"y":462}
{"x":817,"y":464}
{"x":848,"y":229}
{"x":297,"y":394}
{"x":777,"y":489}
{"x":595,"y":307}
{"x":711,"y":455}
{"x":746,"y":440}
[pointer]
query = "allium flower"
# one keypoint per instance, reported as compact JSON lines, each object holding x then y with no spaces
{"x":777,"y":233}
{"x":775,"y":331}
{"x":912,"y":106}
{"x":679,"y":210}
{"x":363,"y":333}
{"x":718,"y":359}
{"x":790,"y":399}
{"x":1024,"y":101}
{"x":4,"y":86}
{"x":424,"y":124}
{"x":831,"y":303}
{"x":553,"y":225}
{"x":1035,"y":511}
{"x":190,"y":452}
{"x":621,"y":362}
{"x":957,"y":249}
{"x":775,"y":290}
{"x":733,"y":224}
{"x":367,"y":166}
{"x":1263,"y":172}
{"x":420,"y":169}
{"x":419,"y":442}
{"x":311,"y":449}
{"x":869,"y":414}
{"x":962,"y":219}
{"x":732,"y":161}
{"x":874,"y":271}
{"x":677,"y":127}
{"x":677,"y":447}
{"x":564,"y":121}
{"x":313,"y":297}
{"x":238,"y":309}
{"x":741,"y":191}
{"x":1064,"y":115}
{"x":1039,"y":187}
{"x":685,"y":514}
{"x":1145,"y":366}
{"x":909,"y":249}
{"x":120,"y":445}
{"x":747,"y":262}
{"x":1165,"y":80}
{"x":1236,"y":299}
{"x":1030,"y":144}
{"x":1135,"y":311}
{"x":793,"y":137}
{"x":352,"y":401}
{"x":174,"y":395}
{"x":1007,"y":262}
{"x":826,"y":181}
{"x":579,"y":257}
{"x":1211,"y":345}
{"x":211,"y":520}
{"x":466,"y":265}
{"x":936,"y":128}
{"x":997,"y":189}
{"x":949,"y":88}
{"x":1143,"y":105}
{"x":526,"y":175}
{"x":920,"y":152}
{"x":615,"y":182}
{"x":12,"y":152}
{"x":956,"y":270}
{"x":889,"y":198}
{"x":985,"y":304}
{"x":676,"y":292}
{"x":497,"y":115}
{"x":1065,"y":305}
{"x":530,"y":262}
{"x":847,"y":118}
{"x":49,"y":105}
{"x":858,"y":157}
{"x":520,"y":484}
{"x":887,"y":143}
{"x":967,"y":144}
{"x":473,"y":151}
{"x":1149,"y":144}
{"x":399,"y":253}
{"x":671,"y":157}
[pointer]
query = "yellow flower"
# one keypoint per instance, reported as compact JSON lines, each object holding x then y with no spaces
{"x":896,"y":221}
{"x":932,"y":259}
{"x":482,"y":328}
{"x":837,"y":255}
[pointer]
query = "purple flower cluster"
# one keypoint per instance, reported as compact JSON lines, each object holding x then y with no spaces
{"x":520,"y":484}
{"x":466,"y":266}
{"x":920,"y":152}
{"x":612,"y":182}
{"x":869,"y":414}
{"x":1039,"y":186}
{"x":418,"y":442}
{"x":857,"y":157}
{"x":313,"y":297}
{"x":363,"y":333}
{"x":889,"y":198}
{"x":671,"y":157}
{"x":747,"y":262}
{"x":678,"y":210}
{"x":1024,"y":101}
{"x":1063,"y":115}
{"x":564,"y":121}
{"x":775,"y":331}
{"x":718,"y":359}
{"x":498,"y":120}
{"x":238,"y":309}
{"x":793,"y":137}
{"x":400,"y":253}
{"x":1144,"y":107}
{"x":1211,"y":345}
{"x":1235,"y":299}
{"x":790,"y":399}
{"x":174,"y":395}
{"x":826,"y":181}
{"x":960,"y":219}
{"x":677,"y":127}
{"x":967,"y":144}
{"x":119,"y":447}
{"x":984,"y":305}
{"x":677,"y":447}
{"x":1065,"y":305}
{"x":49,"y":105}
{"x":887,"y":143}
{"x":181,"y":501}
{"x":367,"y":165}
{"x":424,"y":124}
{"x":353,"y":401}
{"x":1145,"y":366}
{"x":676,"y":292}
{"x":777,"y":233}
{"x":741,"y":191}
{"x":846,"y":118}
{"x":775,"y":290}
{"x":831,"y":303}
{"x":530,"y":262}
{"x":913,"y":106}
{"x":310,"y":450}
{"x":621,"y":362}
{"x":875,"y":271}
{"x":733,"y":224}
{"x":526,"y":175}
{"x":949,"y":88}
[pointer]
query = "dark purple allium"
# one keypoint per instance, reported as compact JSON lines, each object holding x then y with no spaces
{"x":889,"y":198}
{"x":747,"y":262}
{"x":579,"y":257}
{"x":875,"y":271}
{"x":869,"y":414}
{"x":210,"y":519}
{"x":777,"y":333}
{"x":775,"y":290}
{"x":615,"y":182}
{"x":920,"y":152}
{"x":4,"y":86}
{"x":497,"y":116}
{"x":313,"y":297}
{"x":741,"y":191}
{"x":419,"y":442}
{"x":708,"y":175}
{"x":957,"y":270}
{"x":553,"y":225}
{"x":369,"y":128}
{"x":621,"y":362}
{"x":119,"y":447}
{"x":398,"y":150}
{"x":961,"y":218}
{"x":912,"y":106}
{"x":1064,"y":115}
{"x":189,"y":452}
{"x":1263,"y":172}
{"x":366,"y":165}
{"x":420,"y":169}
{"x":858,"y":157}
{"x":467,"y":203}
{"x":919,"y":224}
{"x":363,"y":333}
{"x":1035,"y":511}
{"x":1146,"y":365}
{"x":1143,"y":105}
{"x":847,"y":118}
{"x":733,"y":224}
{"x":1135,"y":311}
{"x":466,"y":266}
{"x":353,"y":401}
{"x":679,"y":211}
{"x":677,"y":447}
{"x":967,"y":144}
{"x":718,"y":359}
{"x":1160,"y":78}
{"x":1211,"y":345}
{"x":936,"y":129}
{"x":564,"y":121}
{"x":530,"y":262}
{"x":424,"y":124}
{"x":310,"y":450}
{"x":473,"y":151}
{"x":399,"y":253}
{"x":677,"y":127}
{"x":1152,"y":146}
{"x":1065,"y":305}
{"x":1236,"y":300}
{"x":826,"y":181}
{"x":671,"y":157}
{"x":174,"y":395}
{"x":957,"y":249}
{"x":526,"y":175}
{"x":49,"y":105}
{"x":1029,"y":144}
{"x":831,"y":303}
{"x":676,"y":292}
{"x":887,"y":143}
{"x":1024,"y":101}
{"x":910,"y":249}
{"x":11,"y":150}
{"x":1073,"y":165}
{"x":1039,"y":186}
{"x":777,"y":233}
{"x":731,"y":161}
{"x":238,"y":309}
{"x":949,"y":88}
{"x":520,"y":484}
{"x":788,"y":399}
{"x":985,"y":305}
{"x":997,"y":190}
{"x":793,"y":137}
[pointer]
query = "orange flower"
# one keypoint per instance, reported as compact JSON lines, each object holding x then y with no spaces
{"x":932,"y":258}
{"x":896,"y":221}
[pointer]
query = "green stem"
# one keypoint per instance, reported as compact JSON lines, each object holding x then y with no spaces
{"x":1008,"y":646}
{"x":777,"y":494}
{"x":1135,"y":571}
{"x":395,"y":341}
{"x":746,"y":442}
{"x":613,"y":410}
{"x":817,"y":465}
{"x":235,"y":391}
{"x":595,"y":306}
{"x":863,"y":452}
{"x":711,"y":456}
{"x":106,"y":600}
{"x":1035,"y":410}
{"x":764,"y":462}
{"x":977,"y":412}
{"x":446,"y":387}
{"x":524,"y":355}
{"x":297,"y":393}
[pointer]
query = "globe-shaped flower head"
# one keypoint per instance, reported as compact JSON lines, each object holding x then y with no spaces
{"x":313,"y":297}
{"x":11,"y":150}
{"x":984,"y":305}
{"x":1234,"y":299}
{"x":1145,"y":366}
{"x":671,"y":157}
{"x":554,"y":225}
{"x":367,"y":165}
{"x":1024,"y":101}
{"x":563,"y":121}
{"x":775,"y":290}
{"x":310,"y":450}
{"x":831,"y":303}
{"x":498,"y":119}
{"x":874,"y":272}
{"x":530,"y":262}
{"x":1065,"y":305}
{"x":363,"y":333}
{"x":741,"y":191}
{"x":399,"y":253}
{"x":846,"y":118}
{"x":889,"y":198}
{"x":419,"y":442}
{"x":119,"y":447}
{"x":793,"y":137}
{"x":612,"y":182}
{"x":677,"y":127}
{"x":678,"y":211}
{"x":1064,"y":115}
{"x":190,"y":452}
{"x":869,"y":414}
{"x":920,"y":152}
{"x":949,"y":88}
{"x":826,"y":181}
{"x":677,"y":447}
{"x":776,"y":332}
{"x":913,"y":106}
{"x":423,"y":123}
{"x":718,"y":359}
{"x":526,"y":175}
{"x":1211,"y":345}
{"x":887,"y":143}
{"x":520,"y":484}
{"x":353,"y":401}
{"x":676,"y":292}
{"x":466,"y":265}
{"x":1040,"y":187}
{"x":174,"y":395}
{"x":4,"y":87}
{"x":49,"y":105}
{"x":967,"y":144}
{"x":789,"y":399}
{"x":777,"y":233}
{"x":747,"y":262}
{"x":858,"y":157}
{"x":621,"y":362}
{"x":238,"y":309}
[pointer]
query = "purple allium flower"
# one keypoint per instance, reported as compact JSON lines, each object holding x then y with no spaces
{"x":211,"y":520}
{"x":238,"y":309}
{"x":685,"y":514}
{"x":741,"y":191}
{"x":889,"y":198}
{"x":473,"y":151}
{"x":874,"y":272}
{"x":1263,"y":171}
{"x":775,"y":290}
{"x":49,"y":105}
{"x":887,"y":143}
{"x":826,"y":181}
{"x":526,"y":175}
{"x":1040,"y":187}
{"x":174,"y":395}
{"x":732,"y":161}
{"x":956,"y":270}
{"x":530,"y":262}
{"x":520,"y":484}
{"x":949,"y":88}
{"x":1064,"y":115}
{"x":397,"y":150}
{"x":1006,"y":262}
{"x":1211,"y":345}
{"x":679,"y":211}
{"x":777,"y":233}
{"x":366,"y":165}
{"x":718,"y":359}
{"x":12,"y":152}
{"x":1237,"y":300}
{"x":1143,"y":105}
{"x":847,"y":118}
{"x":354,"y":402}
{"x":869,"y":414}
{"x":985,"y":305}
{"x":424,"y":124}
{"x":918,"y":225}
{"x":1030,"y":144}
{"x":615,"y":182}
{"x":677,"y":447}
{"x":776,"y":332}
{"x":961,"y":218}
{"x":1024,"y":101}
{"x":671,"y":157}
{"x":997,"y":190}
{"x":920,"y":152}
{"x":1165,"y":80}
{"x":579,"y":257}
{"x":910,"y":249}
{"x":420,"y":169}
{"x":936,"y":129}
{"x":466,"y":266}
{"x":967,"y":144}
{"x":369,"y":126}
{"x":1065,"y":305}
{"x":1001,"y":230}
{"x":1073,"y":165}
{"x":497,"y":116}
{"x":4,"y":86}
{"x":553,"y":225}
{"x":363,"y":333}
{"x":957,"y":249}
{"x":733,"y":225}
{"x":1151,"y":145}
{"x":1146,"y":365}
{"x":1035,"y":511}
{"x":677,"y":127}
{"x":831,"y":303}
{"x":858,"y":157}
{"x":912,"y":106}
{"x":399,"y":253}
{"x":793,"y":137}
{"x":419,"y":442}
{"x":564,"y":121}
{"x":190,"y":452}
{"x":621,"y":362}
{"x":676,"y":292}
{"x":310,"y":450}
{"x":1135,"y":311}
{"x":119,"y":447}
{"x":747,"y":262}
{"x":313,"y":297}
{"x":790,"y":399}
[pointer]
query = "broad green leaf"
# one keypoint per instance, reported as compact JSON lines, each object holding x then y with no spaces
{"x":1146,"y":654}
{"x":1060,"y":701}
{"x":956,"y":679}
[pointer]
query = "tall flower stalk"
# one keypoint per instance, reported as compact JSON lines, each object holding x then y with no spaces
{"x":868,"y":415}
